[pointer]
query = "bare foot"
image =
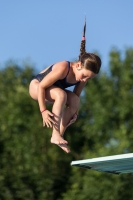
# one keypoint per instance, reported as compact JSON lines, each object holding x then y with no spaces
{"x":64,"y":147}
{"x":57,"y":139}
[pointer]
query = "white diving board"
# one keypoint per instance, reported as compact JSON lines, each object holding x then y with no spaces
{"x":117,"y":164}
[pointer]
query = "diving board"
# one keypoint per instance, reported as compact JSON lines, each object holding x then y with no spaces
{"x":117,"y":164}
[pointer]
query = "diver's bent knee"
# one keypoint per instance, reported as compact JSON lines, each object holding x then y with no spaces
{"x":61,"y":95}
{"x":74,"y":101}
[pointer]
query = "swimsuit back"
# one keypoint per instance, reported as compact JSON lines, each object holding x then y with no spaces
{"x":62,"y":83}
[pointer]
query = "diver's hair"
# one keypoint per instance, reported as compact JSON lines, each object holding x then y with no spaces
{"x":90,"y":61}
{"x":83,"y":41}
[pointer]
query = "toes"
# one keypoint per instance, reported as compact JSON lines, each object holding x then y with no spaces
{"x":63,"y":142}
{"x":58,"y":140}
{"x":64,"y":148}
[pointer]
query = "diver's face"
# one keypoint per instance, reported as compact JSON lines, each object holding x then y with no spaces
{"x":83,"y":74}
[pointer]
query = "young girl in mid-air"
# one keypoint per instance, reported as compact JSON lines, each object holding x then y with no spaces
{"x":49,"y":86}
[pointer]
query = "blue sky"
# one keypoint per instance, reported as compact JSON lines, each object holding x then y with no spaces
{"x":46,"y":31}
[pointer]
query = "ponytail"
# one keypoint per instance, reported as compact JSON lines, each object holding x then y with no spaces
{"x":90,"y":61}
{"x":83,"y":42}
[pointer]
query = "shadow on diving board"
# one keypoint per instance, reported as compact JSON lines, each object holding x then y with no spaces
{"x":117,"y":164}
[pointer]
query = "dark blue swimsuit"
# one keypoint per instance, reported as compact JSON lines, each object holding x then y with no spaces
{"x":62,"y":83}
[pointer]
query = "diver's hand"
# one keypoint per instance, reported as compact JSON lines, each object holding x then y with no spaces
{"x":73,"y":119}
{"x":47,"y":119}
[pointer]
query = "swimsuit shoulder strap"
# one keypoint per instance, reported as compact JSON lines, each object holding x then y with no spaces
{"x":68,"y":68}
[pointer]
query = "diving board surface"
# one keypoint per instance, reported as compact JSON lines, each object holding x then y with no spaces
{"x":117,"y":164}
